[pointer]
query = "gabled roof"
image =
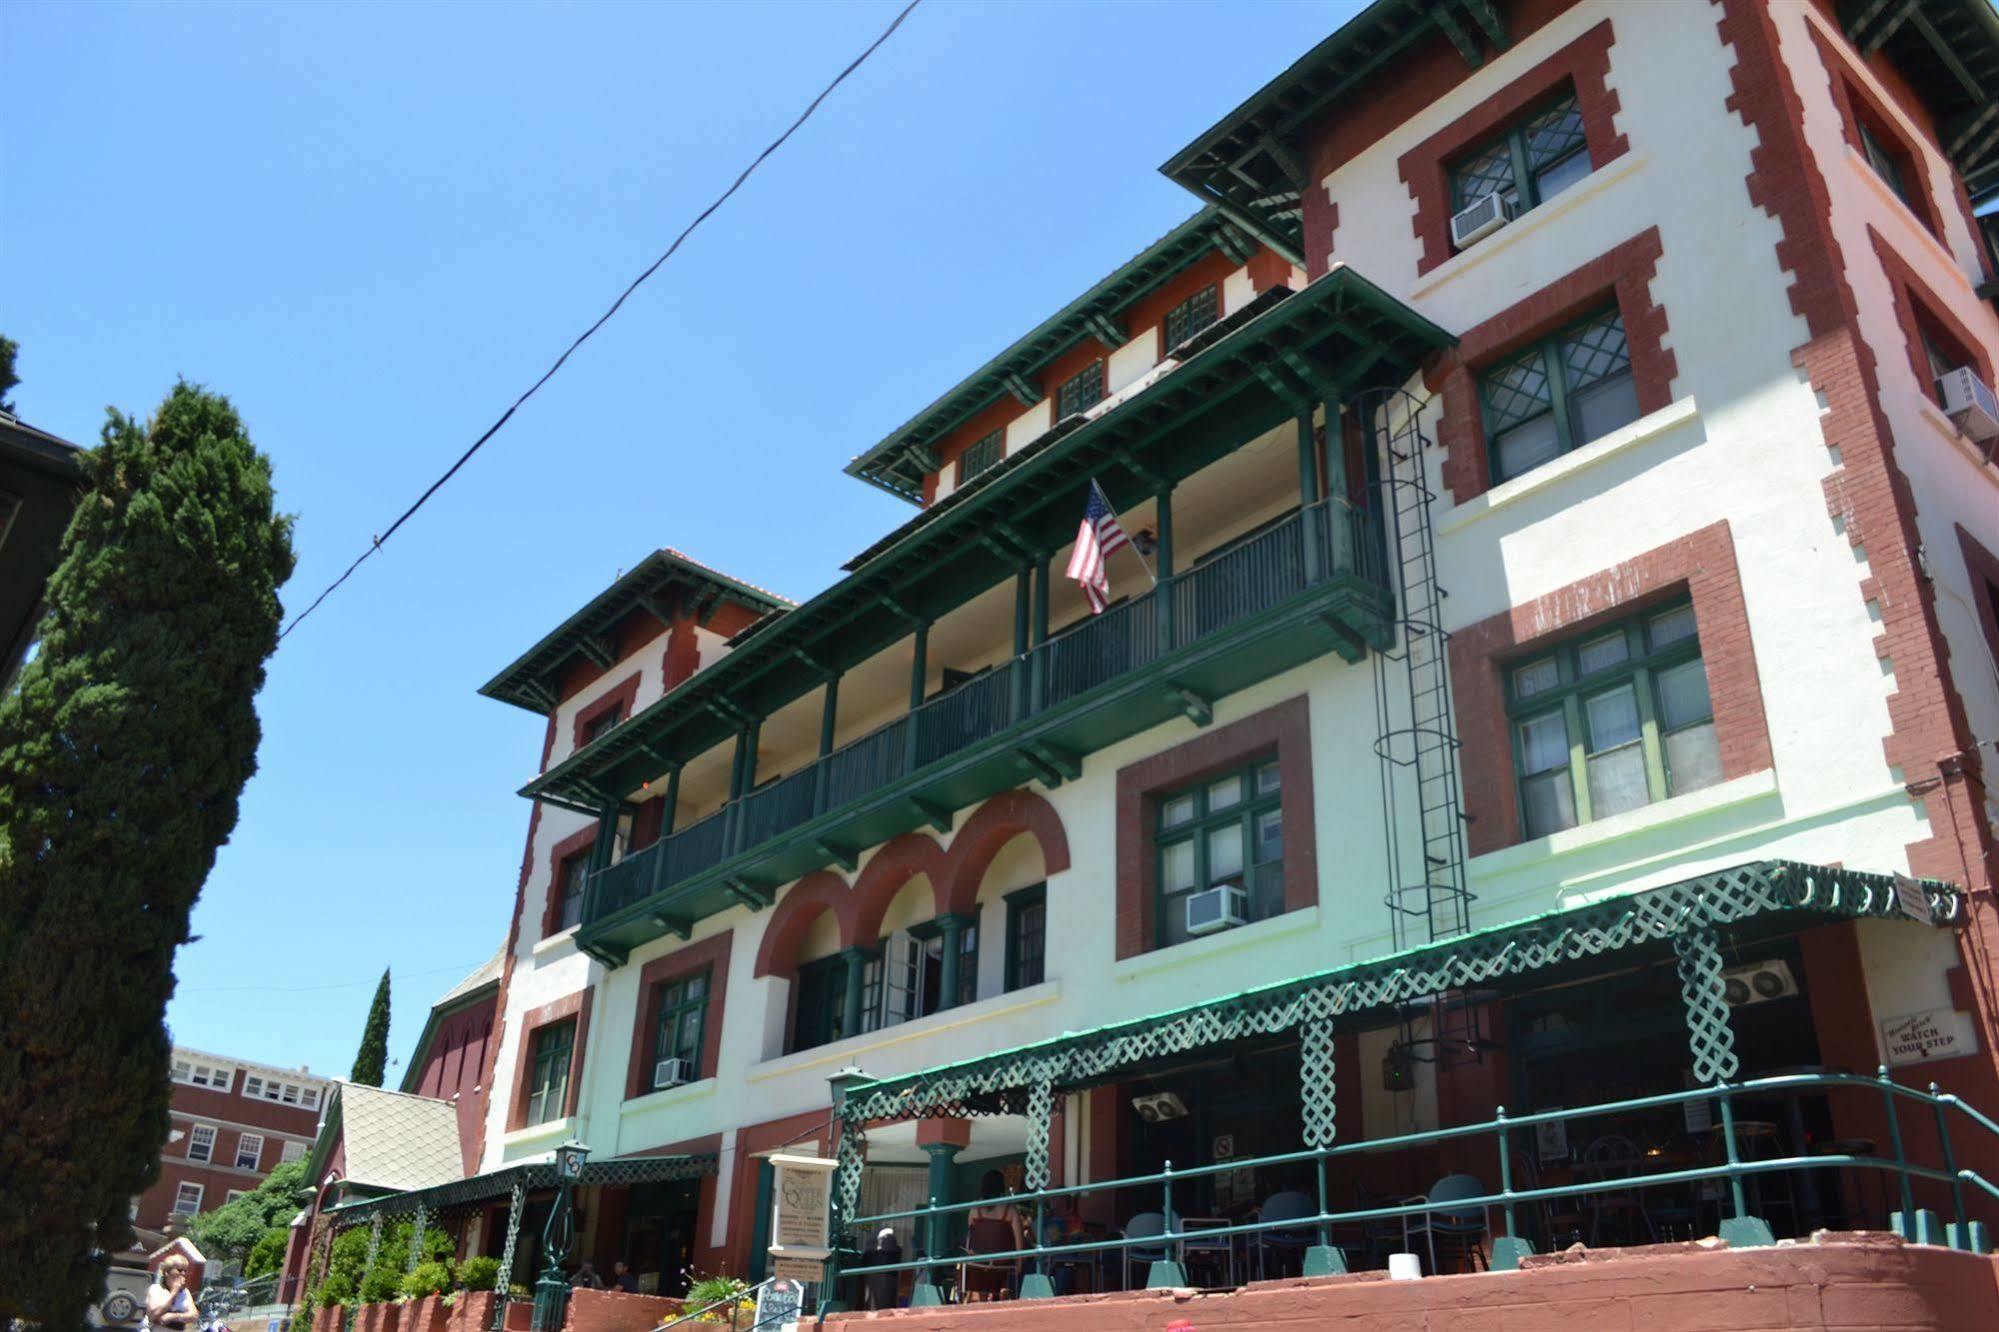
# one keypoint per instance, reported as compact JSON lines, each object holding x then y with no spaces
{"x":661,"y":582}
{"x":393,"y":1140}
{"x":1247,"y":164}
{"x":482,"y":984}
{"x":899,"y":463}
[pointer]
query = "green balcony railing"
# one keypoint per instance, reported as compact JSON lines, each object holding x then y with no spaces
{"x":1910,"y":1188}
{"x":1327,"y":540}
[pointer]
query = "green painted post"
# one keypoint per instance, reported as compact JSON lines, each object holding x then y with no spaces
{"x":1509,"y":1249}
{"x":1167,"y":1273}
{"x":1340,"y":558}
{"x":936,"y":1227}
{"x":918,"y":669}
{"x":1023,"y":600}
{"x":951,"y":927}
{"x":1916,"y":1225}
{"x":829,"y":717}
{"x":1308,"y":495}
{"x":1742,"y":1231}
{"x":1957,"y":1233}
{"x":1038,"y":685}
{"x":1162,"y":556}
{"x":733,"y":810}
{"x":1036,"y":1285}
{"x":670,"y":811}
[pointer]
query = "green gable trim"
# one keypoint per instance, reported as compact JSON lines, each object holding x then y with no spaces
{"x":413,"y":1071}
{"x":1949,"y":52}
{"x":1536,"y":943}
{"x":660,"y":582}
{"x":621,"y":1170}
{"x":899,"y":463}
{"x":1248,"y":164}
{"x":1339,"y":335}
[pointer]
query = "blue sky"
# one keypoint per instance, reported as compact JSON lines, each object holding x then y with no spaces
{"x":373,"y":225}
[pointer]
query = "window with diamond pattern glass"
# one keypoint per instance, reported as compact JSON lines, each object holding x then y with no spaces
{"x":1529,"y":163}
{"x":1612,"y":721}
{"x":1558,"y":394}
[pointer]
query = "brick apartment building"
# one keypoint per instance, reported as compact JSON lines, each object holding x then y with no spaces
{"x":233,"y":1123}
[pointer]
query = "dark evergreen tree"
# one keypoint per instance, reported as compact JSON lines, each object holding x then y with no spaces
{"x":8,"y":347}
{"x":371,"y":1061}
{"x":123,"y":752}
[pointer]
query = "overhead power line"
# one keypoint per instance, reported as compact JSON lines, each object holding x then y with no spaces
{"x":604,"y":318}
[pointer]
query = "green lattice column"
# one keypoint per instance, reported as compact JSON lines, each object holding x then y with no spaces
{"x":416,"y":1238}
{"x":1711,"y":1042}
{"x":1316,"y":1087}
{"x":503,"y":1282}
{"x":1035,"y":1284}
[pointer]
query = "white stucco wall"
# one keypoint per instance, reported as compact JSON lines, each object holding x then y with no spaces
{"x":1741,"y":444}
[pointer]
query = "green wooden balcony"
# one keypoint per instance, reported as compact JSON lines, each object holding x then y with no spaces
{"x":1308,"y":585}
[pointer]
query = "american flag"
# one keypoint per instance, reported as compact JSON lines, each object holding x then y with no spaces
{"x":1099,"y":535}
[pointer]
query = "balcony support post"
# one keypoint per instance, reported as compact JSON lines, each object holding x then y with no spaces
{"x":1162,"y":557}
{"x":829,"y":717}
{"x":1308,"y":494}
{"x":1023,"y":601}
{"x":1340,"y":558}
{"x":1038,"y":684}
{"x":918,"y":670}
{"x":672,"y":802}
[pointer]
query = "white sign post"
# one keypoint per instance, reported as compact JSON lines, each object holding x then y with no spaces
{"x":800,"y":1229}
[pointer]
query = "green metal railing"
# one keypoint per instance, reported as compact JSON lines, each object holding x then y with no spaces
{"x":1505,"y":1132}
{"x":1324,"y":540}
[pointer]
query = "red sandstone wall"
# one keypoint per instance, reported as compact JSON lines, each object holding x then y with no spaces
{"x":1858,"y":1282}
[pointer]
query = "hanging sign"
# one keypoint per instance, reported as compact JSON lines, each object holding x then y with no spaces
{"x":1912,"y":899}
{"x":1917,"y":1038}
{"x":801,"y":1202}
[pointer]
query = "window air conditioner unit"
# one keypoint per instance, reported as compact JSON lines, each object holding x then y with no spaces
{"x":1970,"y":403}
{"x":1487,"y":214}
{"x":1219,"y":908}
{"x":670,"y":1073}
{"x":1757,"y":983}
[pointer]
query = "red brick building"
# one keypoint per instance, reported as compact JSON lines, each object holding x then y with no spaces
{"x":233,"y":1123}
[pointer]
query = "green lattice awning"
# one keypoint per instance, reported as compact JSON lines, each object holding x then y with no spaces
{"x":1535,"y":944}
{"x":499,"y":1184}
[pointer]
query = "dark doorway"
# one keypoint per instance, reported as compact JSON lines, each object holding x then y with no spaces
{"x":662,"y":1223}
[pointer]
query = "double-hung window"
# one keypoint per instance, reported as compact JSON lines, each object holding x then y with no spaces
{"x":1612,"y":721}
{"x":249,"y":1151}
{"x":981,"y":456}
{"x":1192,"y":315}
{"x":1227,"y":829}
{"x":1558,"y":394}
{"x":291,"y":1151}
{"x":187,"y":1197}
{"x":1080,"y":391}
{"x":680,"y":1017}
{"x":1026,"y":937}
{"x":201,"y":1142}
{"x":548,"y":1072}
{"x":1530,"y":163}
{"x":570,"y":878}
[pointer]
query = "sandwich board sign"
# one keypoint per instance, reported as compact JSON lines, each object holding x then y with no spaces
{"x":801,"y":1234}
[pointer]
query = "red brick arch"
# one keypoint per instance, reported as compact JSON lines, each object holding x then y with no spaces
{"x":792,"y":920}
{"x":986,"y":833}
{"x":899,"y":861}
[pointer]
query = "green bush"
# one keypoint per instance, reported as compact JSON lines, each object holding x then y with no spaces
{"x":713,"y":1290}
{"x":338,"y":1288}
{"x":480,"y":1273}
{"x":383,"y":1281}
{"x":267,"y":1255}
{"x":431,"y":1278}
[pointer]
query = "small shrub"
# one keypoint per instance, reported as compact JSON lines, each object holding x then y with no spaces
{"x":480,"y":1273}
{"x":382,"y":1282}
{"x":714,"y":1289}
{"x":431,"y":1278}
{"x":338,"y":1288}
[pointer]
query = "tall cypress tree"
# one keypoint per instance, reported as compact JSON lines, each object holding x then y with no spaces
{"x":372,"y":1059}
{"x":123,"y":752}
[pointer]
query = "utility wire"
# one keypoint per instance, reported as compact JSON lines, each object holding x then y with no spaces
{"x":604,"y":318}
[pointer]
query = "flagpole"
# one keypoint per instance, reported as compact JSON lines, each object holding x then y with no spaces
{"x":1143,"y":563}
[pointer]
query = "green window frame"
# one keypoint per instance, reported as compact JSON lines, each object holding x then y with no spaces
{"x":1228,"y":827}
{"x":600,"y":725}
{"x":1026,"y":937}
{"x":548,"y":1075}
{"x":1558,"y":394}
{"x":1080,"y":391}
{"x":820,"y":992}
{"x":680,"y":1023}
{"x":1611,"y":720}
{"x":1192,"y":315}
{"x":983,"y":455}
{"x":571,"y":878}
{"x":1530,"y":162}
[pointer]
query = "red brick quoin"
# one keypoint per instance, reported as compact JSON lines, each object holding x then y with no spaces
{"x":1702,"y":563}
{"x":1284,"y":730}
{"x":1585,"y":63}
{"x":1623,"y":275}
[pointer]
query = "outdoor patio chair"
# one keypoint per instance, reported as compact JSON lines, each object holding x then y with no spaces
{"x":1613,"y":1157}
{"x":1460,"y":1228}
{"x":1147,"y":1225}
{"x":998,"y":1278}
{"x":1290,"y":1205}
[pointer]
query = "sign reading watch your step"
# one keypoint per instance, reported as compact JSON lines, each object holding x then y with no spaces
{"x":1916,"y":1038}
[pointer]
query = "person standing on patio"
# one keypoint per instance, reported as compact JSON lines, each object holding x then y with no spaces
{"x":991,"y":1227}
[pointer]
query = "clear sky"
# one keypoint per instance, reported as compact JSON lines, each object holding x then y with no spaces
{"x":373,"y":225}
